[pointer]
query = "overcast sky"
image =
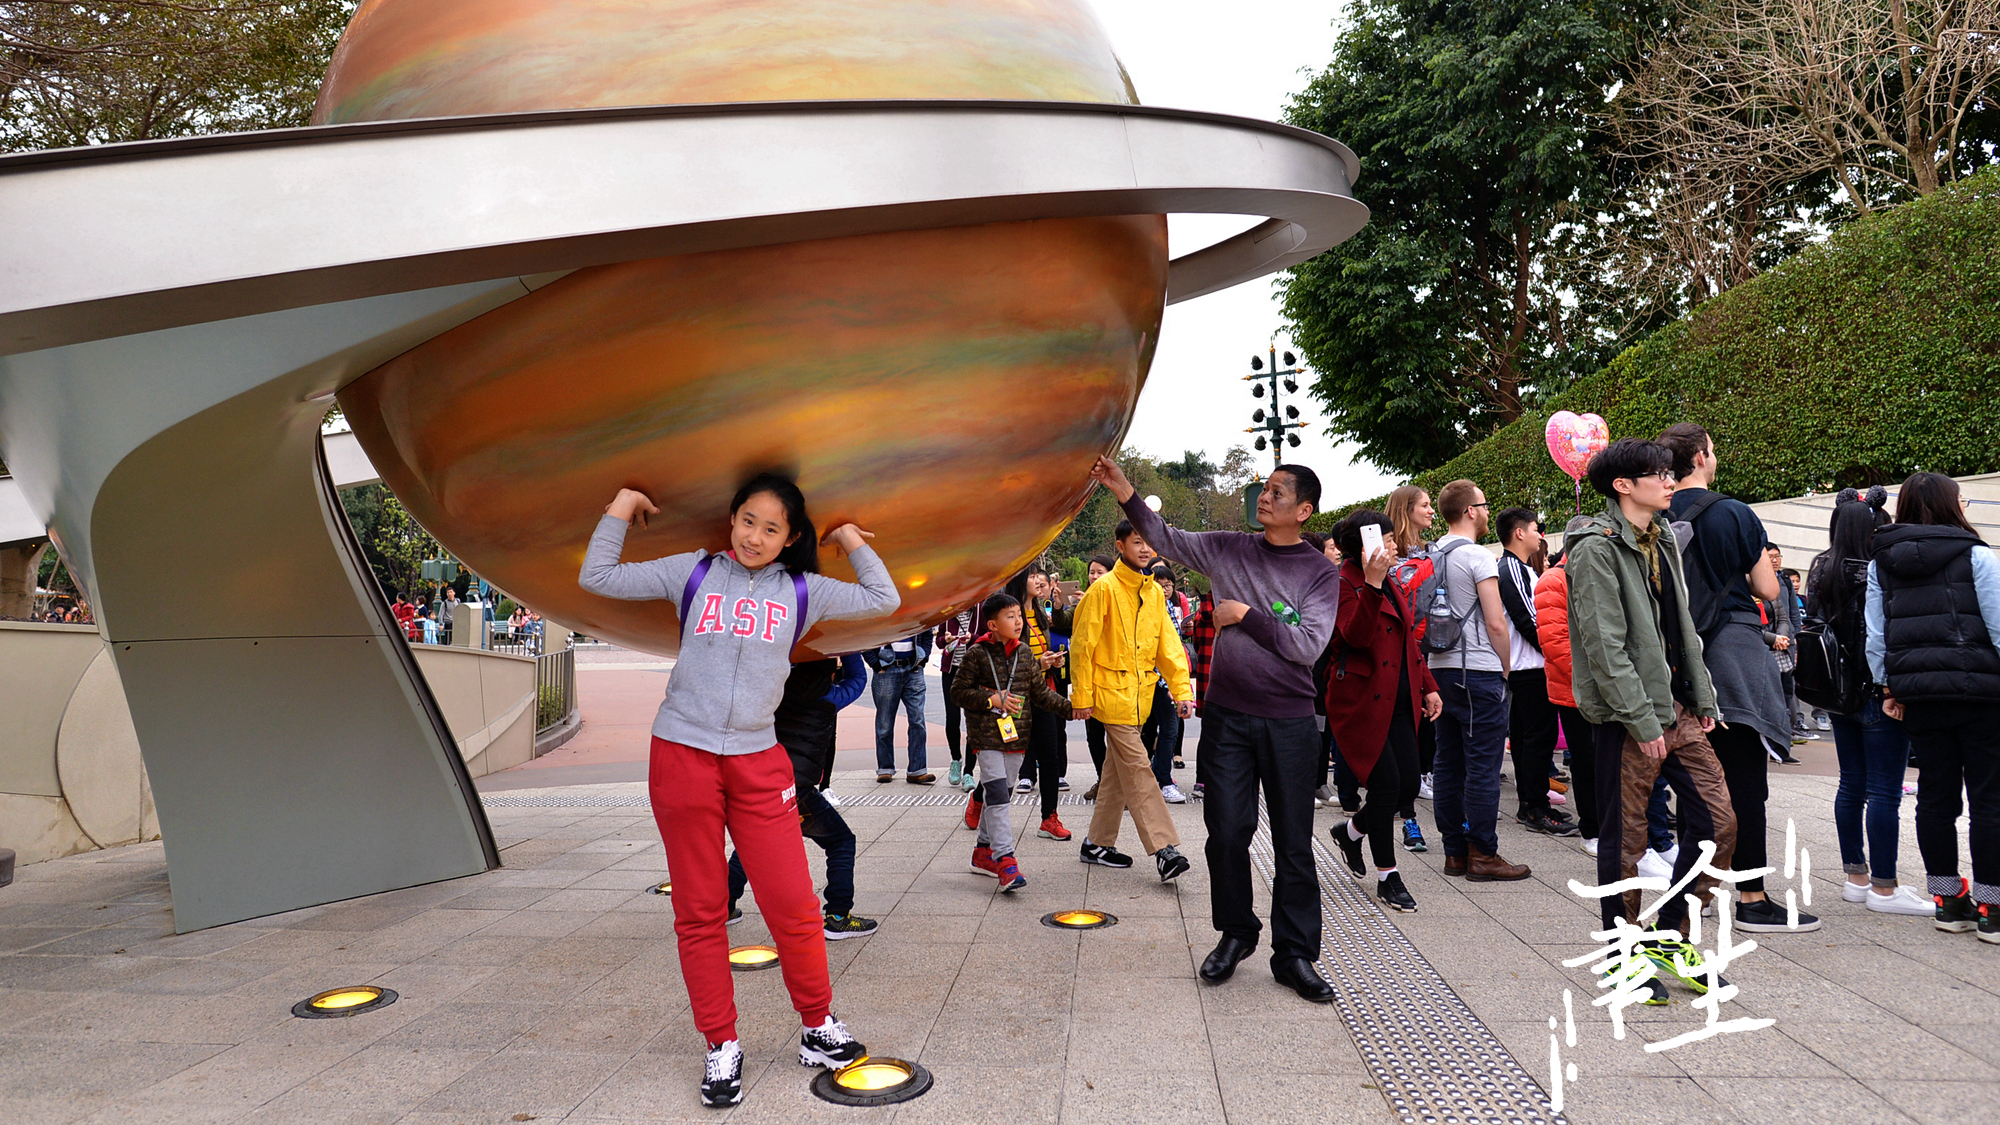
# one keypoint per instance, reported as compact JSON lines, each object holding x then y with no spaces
{"x":1246,"y":57}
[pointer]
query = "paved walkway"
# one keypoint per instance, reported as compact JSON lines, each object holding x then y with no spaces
{"x":549,"y":990}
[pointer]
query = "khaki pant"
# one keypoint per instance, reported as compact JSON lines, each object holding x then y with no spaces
{"x":1128,"y":782}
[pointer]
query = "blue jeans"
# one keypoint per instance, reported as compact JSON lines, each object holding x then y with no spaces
{"x":1162,"y":735}
{"x":1659,"y":825}
{"x":1471,"y":741}
{"x":1873,"y":749}
{"x":893,"y":686}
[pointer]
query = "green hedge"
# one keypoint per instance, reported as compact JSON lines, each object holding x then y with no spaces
{"x":1856,"y":362}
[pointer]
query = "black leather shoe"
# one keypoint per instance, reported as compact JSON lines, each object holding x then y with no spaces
{"x":1222,"y":961}
{"x":1298,"y":974}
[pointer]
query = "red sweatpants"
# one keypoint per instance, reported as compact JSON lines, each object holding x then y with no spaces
{"x":695,"y":795}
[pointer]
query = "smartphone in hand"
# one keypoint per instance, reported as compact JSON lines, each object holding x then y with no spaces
{"x":1371,"y":542}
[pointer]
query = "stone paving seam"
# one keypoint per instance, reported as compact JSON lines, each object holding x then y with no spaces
{"x":1436,"y":1062}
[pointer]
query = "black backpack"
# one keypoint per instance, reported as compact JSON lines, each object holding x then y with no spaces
{"x":1444,"y":631}
{"x":1704,"y":600}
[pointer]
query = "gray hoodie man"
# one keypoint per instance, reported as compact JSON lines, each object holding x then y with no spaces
{"x":737,"y":653}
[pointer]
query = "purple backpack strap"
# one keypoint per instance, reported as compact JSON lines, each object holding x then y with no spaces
{"x":799,"y":622}
{"x":693,"y":584}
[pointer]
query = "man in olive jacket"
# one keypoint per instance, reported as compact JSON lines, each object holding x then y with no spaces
{"x":1639,"y":678}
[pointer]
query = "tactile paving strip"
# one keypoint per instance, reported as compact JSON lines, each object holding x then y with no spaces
{"x":1435,"y":1061}
{"x":948,"y":799}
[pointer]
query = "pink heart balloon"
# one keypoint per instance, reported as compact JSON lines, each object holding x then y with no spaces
{"x":1573,"y":439}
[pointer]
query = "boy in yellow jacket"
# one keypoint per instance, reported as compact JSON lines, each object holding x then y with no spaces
{"x":1122,"y":643}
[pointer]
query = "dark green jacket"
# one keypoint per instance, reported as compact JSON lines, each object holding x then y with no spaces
{"x":1619,"y":654}
{"x":987,"y":667}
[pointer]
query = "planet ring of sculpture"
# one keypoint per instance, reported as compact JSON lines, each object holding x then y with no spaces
{"x":175,"y":316}
{"x":357,"y":210}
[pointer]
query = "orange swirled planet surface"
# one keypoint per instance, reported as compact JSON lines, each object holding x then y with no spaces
{"x":945,"y":389}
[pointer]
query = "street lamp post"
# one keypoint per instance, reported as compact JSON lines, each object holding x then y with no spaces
{"x":1279,"y":420}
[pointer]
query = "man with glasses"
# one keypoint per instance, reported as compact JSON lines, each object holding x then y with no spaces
{"x":1275,"y":600}
{"x":1640,"y":682}
{"x":1727,"y":573}
{"x":1472,"y":679}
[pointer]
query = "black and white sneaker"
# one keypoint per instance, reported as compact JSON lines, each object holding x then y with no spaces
{"x":1171,"y":862}
{"x":1394,"y":894}
{"x":1104,"y":857}
{"x":829,"y":1045}
{"x":735,"y":914}
{"x":1350,"y":849}
{"x":722,"y":1082}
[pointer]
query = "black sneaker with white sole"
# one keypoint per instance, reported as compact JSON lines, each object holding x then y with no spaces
{"x":1104,"y":857}
{"x":1171,"y":862}
{"x":722,"y":1081}
{"x":735,"y":914}
{"x":1767,"y":917}
{"x":1394,"y":894}
{"x":839,"y":927}
{"x":829,"y":1045}
{"x":1350,"y":849}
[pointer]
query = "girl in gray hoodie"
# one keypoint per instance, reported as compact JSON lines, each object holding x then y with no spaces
{"x":716,"y":761}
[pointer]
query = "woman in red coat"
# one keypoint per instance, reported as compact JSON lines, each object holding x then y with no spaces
{"x":1376,"y":690}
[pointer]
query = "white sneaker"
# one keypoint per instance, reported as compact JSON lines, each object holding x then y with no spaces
{"x":1173,"y":794}
{"x":1672,"y":855}
{"x":1424,"y":788}
{"x":1655,"y":865}
{"x":1853,"y":892}
{"x":1590,"y":847}
{"x":1025,"y":786}
{"x":832,"y":798}
{"x":1902,"y":900}
{"x":1322,"y":797}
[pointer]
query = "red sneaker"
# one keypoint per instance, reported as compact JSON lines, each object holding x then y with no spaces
{"x":1052,"y":829}
{"x":1010,"y":874}
{"x":982,"y":862}
{"x":973,"y":807}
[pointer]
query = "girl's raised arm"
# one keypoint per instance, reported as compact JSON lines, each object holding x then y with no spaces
{"x":873,"y":595}
{"x":604,"y":575}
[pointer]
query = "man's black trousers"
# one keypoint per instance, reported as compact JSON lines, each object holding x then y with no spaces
{"x":1241,"y":754}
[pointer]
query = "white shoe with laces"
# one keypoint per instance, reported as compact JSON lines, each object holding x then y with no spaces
{"x":1902,"y":900}
{"x":829,"y":1045}
{"x":1590,"y":847}
{"x":1173,"y":794}
{"x":1851,"y":891}
{"x":722,"y":1080}
{"x":1424,"y":788}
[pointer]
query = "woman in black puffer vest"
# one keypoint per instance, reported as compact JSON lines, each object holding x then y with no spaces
{"x":1934,"y":639}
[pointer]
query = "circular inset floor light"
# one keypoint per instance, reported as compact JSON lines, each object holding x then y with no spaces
{"x":351,"y":1000}
{"x":1079,"y":920}
{"x":872,"y":1081}
{"x":750,"y":958}
{"x":666,"y":888}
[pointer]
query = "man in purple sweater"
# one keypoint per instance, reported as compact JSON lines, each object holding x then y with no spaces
{"x":1275,"y":598}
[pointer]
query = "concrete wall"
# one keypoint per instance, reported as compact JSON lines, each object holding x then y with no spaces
{"x":71,"y":779}
{"x":70,"y":775}
{"x":488,"y":700}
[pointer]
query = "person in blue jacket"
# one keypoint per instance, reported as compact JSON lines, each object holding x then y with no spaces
{"x":814,"y":694}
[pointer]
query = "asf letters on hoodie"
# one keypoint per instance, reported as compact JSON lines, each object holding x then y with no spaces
{"x":737,"y":652}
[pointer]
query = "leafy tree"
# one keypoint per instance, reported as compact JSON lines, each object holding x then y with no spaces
{"x":393,"y":543}
{"x":84,"y":72}
{"x":1467,"y":297}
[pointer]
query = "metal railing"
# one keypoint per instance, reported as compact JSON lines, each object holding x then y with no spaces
{"x":555,"y":689}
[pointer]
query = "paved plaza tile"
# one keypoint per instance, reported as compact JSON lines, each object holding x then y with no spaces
{"x":549,"y":990}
